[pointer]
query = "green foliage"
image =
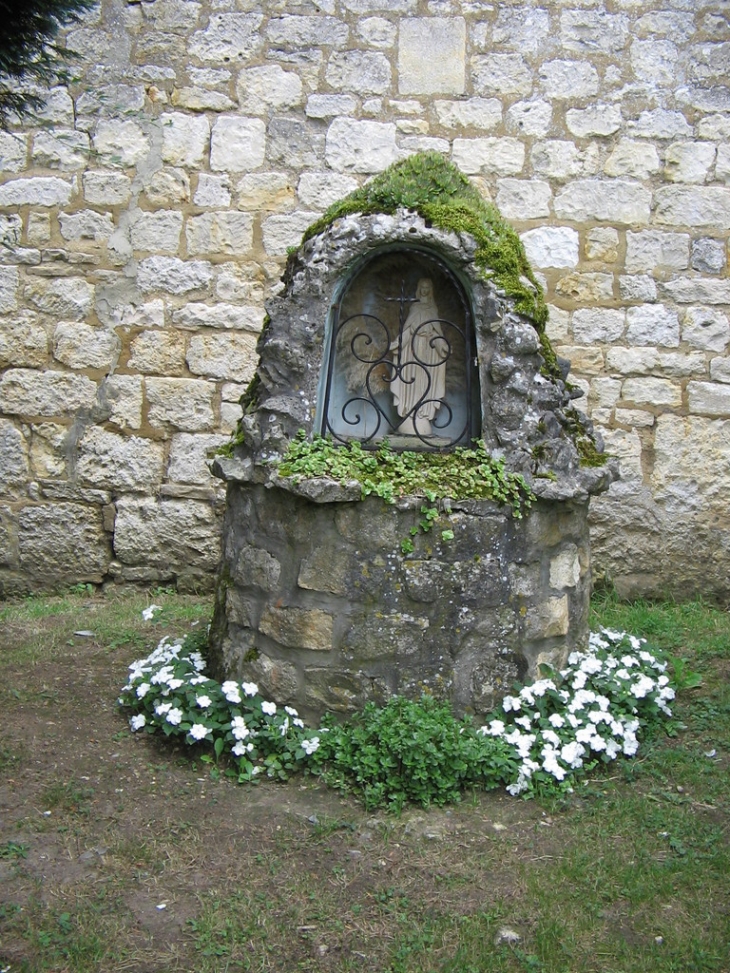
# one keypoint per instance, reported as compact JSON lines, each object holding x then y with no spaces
{"x":434,"y":188}
{"x":458,"y":475}
{"x":28,"y":50}
{"x":410,"y":751}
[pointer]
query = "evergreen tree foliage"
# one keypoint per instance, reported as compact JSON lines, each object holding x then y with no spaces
{"x":29,"y":55}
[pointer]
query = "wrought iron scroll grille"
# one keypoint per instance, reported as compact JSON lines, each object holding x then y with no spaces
{"x":409,"y":382}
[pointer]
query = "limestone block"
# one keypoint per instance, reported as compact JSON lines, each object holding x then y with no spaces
{"x":172,"y":535}
{"x":549,"y":619}
{"x":189,"y":456}
{"x":23,"y":341}
{"x":13,"y":151}
{"x":62,"y":542}
{"x":216,"y":233}
{"x":375,"y":6}
{"x":690,"y":463}
{"x":593,"y":31}
{"x":584,"y":360}
{"x":61,"y":149}
{"x":237,"y":144}
{"x":106,"y":188}
{"x":501,"y":74}
{"x":80,"y":346}
{"x":709,"y":399}
{"x":120,"y":142}
{"x":173,"y":275}
{"x":295,"y":32}
{"x":710,"y":62}
{"x":593,"y":325}
{"x":431,"y":56}
{"x":48,"y":450}
{"x":180,"y":403}
{"x":319,"y":190}
{"x":328,"y":106}
{"x":156,"y":231}
{"x":658,"y":123}
{"x":708,"y":255}
{"x":295,"y":144}
{"x":563,"y":160}
{"x":168,"y":187}
{"x":689,"y":161}
{"x":212,"y":191}
{"x":228,"y":317}
{"x":568,"y":79}
{"x":158,"y":353}
{"x":698,"y":206}
{"x":530,"y":118}
{"x":498,"y":156}
{"x":706,"y":327}
{"x":254,"y":567}
{"x":612,"y":200}
{"x":231,"y":356}
{"x":199,"y":99}
{"x":655,"y":61}
{"x":65,"y":297}
{"x":652,"y":324}
{"x":551,"y":246}
{"x":11,"y":231}
{"x":228,"y":37}
{"x":86,"y":225}
{"x":13,"y":457}
{"x":626,"y":446}
{"x":604,"y":392}
{"x":150,"y":315}
{"x":121,"y":396}
{"x":57,"y":108}
{"x":598,"y":120}
{"x":653,"y":251}
{"x":636,"y":160}
{"x":32,"y":393}
{"x":424,"y":144}
{"x":479,"y":113}
{"x":298,"y":628}
{"x":364,"y":147}
{"x":652,"y":391}
{"x":37,"y":191}
{"x":720,"y":370}
{"x":636,"y":418}
{"x":522,"y":200}
{"x":646,"y":361}
{"x":9,"y":281}
{"x":266,"y":191}
{"x":325,"y":569}
{"x":522,"y":29}
{"x":268,"y":88}
{"x":698,"y":290}
{"x":602,"y":244}
{"x":586,"y":288}
{"x":363,"y":71}
{"x":565,"y":568}
{"x":129,"y":463}
{"x":185,"y":139}
{"x":637,"y":287}
{"x":558,"y":322}
{"x":377,"y":32}
{"x":39,"y":228}
{"x":713,"y":127}
{"x":113,"y":100}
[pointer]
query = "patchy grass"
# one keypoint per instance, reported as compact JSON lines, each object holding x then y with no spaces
{"x":117,"y":853}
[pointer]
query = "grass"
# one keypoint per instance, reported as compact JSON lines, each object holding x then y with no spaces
{"x":145,"y":862}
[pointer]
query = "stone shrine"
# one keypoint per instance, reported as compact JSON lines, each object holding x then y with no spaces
{"x":392,"y":326}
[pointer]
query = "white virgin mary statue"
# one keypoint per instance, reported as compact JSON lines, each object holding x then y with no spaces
{"x":419,"y":357}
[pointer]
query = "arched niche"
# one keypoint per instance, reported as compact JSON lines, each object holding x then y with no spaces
{"x":400,"y":361}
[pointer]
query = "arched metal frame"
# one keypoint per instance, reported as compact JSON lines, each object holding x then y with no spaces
{"x":388,"y":364}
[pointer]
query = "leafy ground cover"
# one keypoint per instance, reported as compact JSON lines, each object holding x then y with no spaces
{"x":119,"y":853}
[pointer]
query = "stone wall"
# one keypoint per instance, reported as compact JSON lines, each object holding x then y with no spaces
{"x":146,"y":215}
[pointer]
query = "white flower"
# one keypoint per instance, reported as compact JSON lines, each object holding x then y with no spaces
{"x":267,"y":707}
{"x":238,"y":728}
{"x":552,"y":737}
{"x":197,"y":680}
{"x":174,"y":717}
{"x":597,"y":742}
{"x":591,"y":665}
{"x":239,"y":748}
{"x":203,"y":701}
{"x":198,"y":731}
{"x":174,"y":683}
{"x":511,"y":703}
{"x":249,"y":688}
{"x":231,"y":691}
{"x":149,"y":613}
{"x":556,"y":720}
{"x":291,"y":711}
{"x":298,"y":722}
{"x":642,"y":687}
{"x":572,"y":753}
{"x":162,"y":708}
{"x":143,"y":689}
{"x":137,"y":722}
{"x":496,"y":728}
{"x":524,"y":721}
{"x":284,"y":728}
{"x":309,"y":746}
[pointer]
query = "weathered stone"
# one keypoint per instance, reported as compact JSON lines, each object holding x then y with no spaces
{"x":714,"y":127}
{"x":199,"y":99}
{"x":652,"y":391}
{"x":551,"y":246}
{"x":62,"y":543}
{"x":189,"y":457}
{"x":689,"y":161}
{"x":229,"y":317}
{"x":237,"y":144}
{"x":185,"y":138}
{"x":720,"y":370}
{"x":638,"y":287}
{"x":706,"y":327}
{"x":150,"y":315}
{"x":120,"y":143}
{"x":156,"y":231}
{"x":563,"y":160}
{"x":362,"y":71}
{"x":31,"y":393}
{"x":9,"y":280}
{"x":325,"y":569}
{"x":565,"y":568}
{"x":13,"y":458}
{"x":547,"y":620}
{"x":23,"y":341}
{"x":586,"y":288}
{"x":282,"y":232}
{"x":705,"y":206}
{"x":106,"y":188}
{"x":598,"y":120}
{"x":321,"y":189}
{"x":566,"y":79}
{"x":215,"y":233}
{"x":602,"y":244}
{"x":499,"y":156}
{"x":298,"y":628}
{"x":530,"y":118}
{"x":173,"y":275}
{"x":295,"y":31}
{"x":656,"y":251}
{"x":121,"y":398}
{"x":615,"y":201}
{"x":268,"y":88}
{"x":431,"y":56}
{"x":598,"y":325}
{"x":652,"y":324}
{"x":180,"y":403}
{"x":503,"y":74}
{"x":658,"y":123}
{"x":655,"y":61}
{"x":61,"y":149}
{"x":158,"y":353}
{"x":80,"y":346}
{"x":592,"y":31}
{"x":119,"y":463}
{"x":13,"y":151}
{"x":328,"y":106}
{"x":479,"y":113}
{"x":168,"y":187}
{"x":708,"y":256}
{"x":266,"y":191}
{"x":171,"y":535}
{"x":521,"y":200}
{"x":637,"y":160}
{"x":48,"y":449}
{"x":37,"y":191}
{"x":698,"y":290}
{"x":365,"y":147}
{"x":213,"y":191}
{"x":228,"y":37}
{"x":295,"y":143}
{"x":684,"y":446}
{"x":377,"y":32}
{"x":231,"y":356}
{"x":709,"y":399}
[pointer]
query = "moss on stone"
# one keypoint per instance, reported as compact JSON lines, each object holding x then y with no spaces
{"x":429,"y":185}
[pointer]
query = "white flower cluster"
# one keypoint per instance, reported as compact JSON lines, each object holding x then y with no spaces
{"x":590,"y":712}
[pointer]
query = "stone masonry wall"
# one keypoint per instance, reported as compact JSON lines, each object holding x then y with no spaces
{"x":146,"y":213}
